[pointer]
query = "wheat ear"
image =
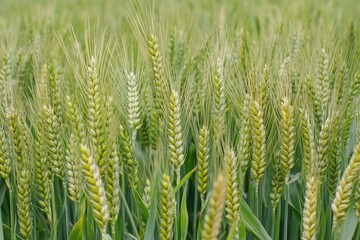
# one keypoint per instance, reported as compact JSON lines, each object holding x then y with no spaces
{"x":176,"y":148}
{"x":167,"y":208}
{"x":73,"y":169}
{"x":95,"y":190}
{"x":203,"y":162}
{"x":287,"y":147}
{"x":232,"y":190}
{"x":5,"y":165}
{"x":309,"y":222}
{"x":258,"y":143}
{"x":24,"y":205}
{"x":214,"y":212}
{"x":245,"y":136}
{"x":343,"y":193}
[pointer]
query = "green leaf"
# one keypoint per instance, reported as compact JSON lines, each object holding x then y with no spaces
{"x":251,"y":222}
{"x":184,"y":218}
{"x":76,"y":232}
{"x":349,"y":226}
{"x":150,"y":224}
{"x":183,"y":180}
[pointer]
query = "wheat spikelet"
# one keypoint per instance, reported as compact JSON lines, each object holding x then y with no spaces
{"x":232,"y":191}
{"x":277,"y":182}
{"x":24,"y":205}
{"x":264,"y":85}
{"x":95,"y":190}
{"x":127,"y":152}
{"x":333,"y":172}
{"x":344,"y":72}
{"x":214,"y":212}
{"x":357,"y":203}
{"x":354,"y":88}
{"x":343,"y":195}
{"x":73,"y":169}
{"x":316,"y":101}
{"x":53,"y":141}
{"x":146,"y":200}
{"x":245,"y":136}
{"x":5,"y":165}
{"x":5,"y":75}
{"x":287,"y":147}
{"x":323,"y":148}
{"x":203,"y":162}
{"x":158,"y":73}
{"x":176,"y":148}
{"x":145,"y":128}
{"x":16,"y":130}
{"x":323,"y":86}
{"x":95,"y":114}
{"x":309,"y":222}
{"x":75,"y":120}
{"x":308,"y":142}
{"x":167,"y":208}
{"x":113,"y":185}
{"x":258,"y":143}
{"x":134,"y":103}
{"x":43,"y":177}
{"x":219,"y":101}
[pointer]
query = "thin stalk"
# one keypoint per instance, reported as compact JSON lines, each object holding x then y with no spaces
{"x":12,"y":213}
{"x":133,"y":225}
{"x":195,"y":208}
{"x":286,"y":211}
{"x":67,"y":219}
{"x":53,"y":206}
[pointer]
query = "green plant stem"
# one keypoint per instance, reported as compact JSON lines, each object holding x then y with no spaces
{"x":286,"y":211}
{"x":195,"y":208}
{"x":53,"y":206}
{"x":133,"y":225}
{"x":12,"y":213}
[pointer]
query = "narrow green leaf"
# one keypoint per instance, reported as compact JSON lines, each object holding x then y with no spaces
{"x":184,"y":218}
{"x":76,"y":232}
{"x":251,"y":222}
{"x":349,"y":226}
{"x":150,"y":224}
{"x":183,"y":180}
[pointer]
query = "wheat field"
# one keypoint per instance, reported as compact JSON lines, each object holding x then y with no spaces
{"x":131,"y":119}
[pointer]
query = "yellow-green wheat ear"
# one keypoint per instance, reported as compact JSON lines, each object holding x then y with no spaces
{"x":73,"y":169}
{"x":323,"y":149}
{"x":357,"y":203}
{"x":113,"y":185}
{"x":95,"y":190}
{"x":277,"y":182}
{"x":95,"y":114}
{"x":245,"y":136}
{"x":176,"y":148}
{"x":24,"y":206}
{"x":258,"y":143}
{"x":158,"y":73}
{"x":232,"y":190}
{"x":167,"y":208}
{"x":287,"y":147}
{"x":16,"y":135}
{"x":5,"y":75}
{"x":203,"y":162}
{"x":76,"y":120}
{"x":5,"y":166}
{"x":323,"y":84}
{"x":146,"y":199}
{"x":315,"y":99}
{"x":343,"y":195}
{"x":53,"y":141}
{"x":215,"y":209}
{"x":127,"y":156}
{"x":354,"y":88}
{"x":309,"y":221}
{"x":134,"y":103}
{"x":308,"y":143}
{"x":43,"y":177}
{"x":219,"y":101}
